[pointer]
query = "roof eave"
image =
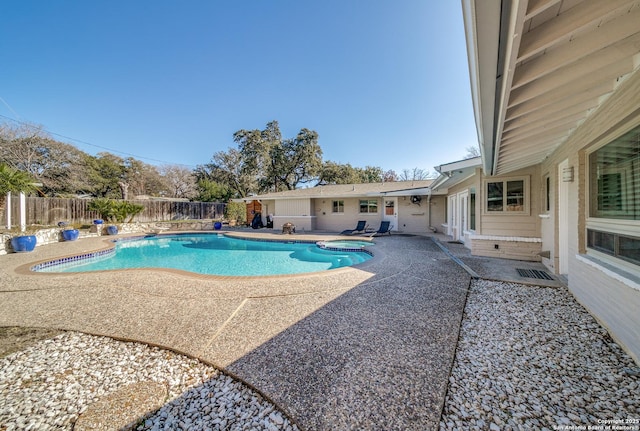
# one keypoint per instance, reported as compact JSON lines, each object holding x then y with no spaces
{"x":482,"y":33}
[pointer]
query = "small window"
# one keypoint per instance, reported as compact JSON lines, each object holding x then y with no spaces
{"x":495,"y":196}
{"x":368,"y":206}
{"x":622,"y":246}
{"x":604,"y":242}
{"x":547,"y":193}
{"x":507,"y":196}
{"x":472,"y":208}
{"x":338,"y":207}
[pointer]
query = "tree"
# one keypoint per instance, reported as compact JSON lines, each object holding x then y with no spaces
{"x":141,"y":178}
{"x":371,"y":174}
{"x":179,"y":182}
{"x":257,"y":148}
{"x":211,"y":191}
{"x":415,"y":174}
{"x":13,"y":180}
{"x":229,"y":170}
{"x":58,"y":166}
{"x":472,"y":151}
{"x":336,"y":173}
{"x":264,"y":162}
{"x":296,"y":161}
{"x":389,"y":176}
{"x":105,"y":174}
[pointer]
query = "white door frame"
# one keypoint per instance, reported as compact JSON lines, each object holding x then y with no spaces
{"x":463,"y":215}
{"x":452,"y":216}
{"x":393,"y":216}
{"x":563,"y":221}
{"x":458,"y":215}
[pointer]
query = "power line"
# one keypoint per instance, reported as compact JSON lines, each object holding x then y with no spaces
{"x":94,"y":145}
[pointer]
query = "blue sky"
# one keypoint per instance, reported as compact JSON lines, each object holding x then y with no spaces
{"x":384,"y":83}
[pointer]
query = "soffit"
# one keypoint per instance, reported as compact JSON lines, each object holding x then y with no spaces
{"x":565,"y":58}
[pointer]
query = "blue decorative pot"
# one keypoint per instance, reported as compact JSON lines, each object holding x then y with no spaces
{"x":112,"y":230}
{"x":217,"y":225}
{"x":22,"y":244}
{"x":70,"y":234}
{"x":98,"y":221}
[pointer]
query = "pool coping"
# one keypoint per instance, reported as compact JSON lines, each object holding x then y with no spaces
{"x":109,"y":246}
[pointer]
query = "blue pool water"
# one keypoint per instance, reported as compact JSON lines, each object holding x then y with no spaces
{"x":213,"y":254}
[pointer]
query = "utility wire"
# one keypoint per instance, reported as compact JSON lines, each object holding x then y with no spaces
{"x":94,"y":145}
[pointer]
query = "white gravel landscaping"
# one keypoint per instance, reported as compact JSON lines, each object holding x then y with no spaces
{"x":533,"y":358}
{"x":528,"y":358}
{"x":48,"y":385}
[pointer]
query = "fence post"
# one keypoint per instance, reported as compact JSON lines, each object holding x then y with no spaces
{"x":8,"y":210}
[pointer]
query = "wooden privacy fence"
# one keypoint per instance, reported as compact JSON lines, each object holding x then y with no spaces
{"x":50,"y":211}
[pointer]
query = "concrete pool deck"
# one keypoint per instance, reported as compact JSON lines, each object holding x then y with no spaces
{"x":369,"y":347}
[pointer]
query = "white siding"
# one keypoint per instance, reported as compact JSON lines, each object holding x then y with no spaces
{"x":337,"y":222}
{"x":613,"y":303}
{"x":413,"y":218}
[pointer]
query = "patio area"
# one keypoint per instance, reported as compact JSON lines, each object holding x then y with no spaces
{"x":380,"y":346}
{"x":356,"y":348}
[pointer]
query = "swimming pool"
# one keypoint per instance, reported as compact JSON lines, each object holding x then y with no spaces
{"x":211,"y":254}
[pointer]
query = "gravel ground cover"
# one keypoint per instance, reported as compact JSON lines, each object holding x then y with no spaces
{"x":528,"y":358}
{"x":50,"y":383}
{"x":533,"y":358}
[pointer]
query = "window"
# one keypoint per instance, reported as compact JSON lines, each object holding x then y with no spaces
{"x":472,"y":208}
{"x":368,"y":206}
{"x":338,"y":207}
{"x":620,"y":246}
{"x":547,"y":193}
{"x":614,"y":178}
{"x":614,"y":193}
{"x":507,"y":196}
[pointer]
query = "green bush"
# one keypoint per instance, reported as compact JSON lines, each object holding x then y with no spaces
{"x":236,"y":211}
{"x":113,"y":210}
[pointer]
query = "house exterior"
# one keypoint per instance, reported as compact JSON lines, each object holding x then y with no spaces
{"x":494,"y":216}
{"x":407,"y":205}
{"x":556,"y":94}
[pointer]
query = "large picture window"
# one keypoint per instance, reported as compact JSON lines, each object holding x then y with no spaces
{"x":614,"y":179}
{"x":507,"y":196}
{"x":614,"y":198}
{"x":368,"y":206}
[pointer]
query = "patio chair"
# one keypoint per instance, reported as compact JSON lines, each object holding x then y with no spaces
{"x":361,"y":227}
{"x":385,"y":227}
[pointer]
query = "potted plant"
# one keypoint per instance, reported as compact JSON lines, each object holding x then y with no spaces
{"x":23,"y":243}
{"x":114,"y":211}
{"x":68,"y":233}
{"x":15,"y":181}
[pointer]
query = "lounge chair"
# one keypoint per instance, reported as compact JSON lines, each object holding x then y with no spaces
{"x":362,"y":225}
{"x":385,"y":227}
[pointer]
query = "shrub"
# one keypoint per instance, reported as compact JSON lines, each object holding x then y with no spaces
{"x":113,"y":210}
{"x":236,"y":211}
